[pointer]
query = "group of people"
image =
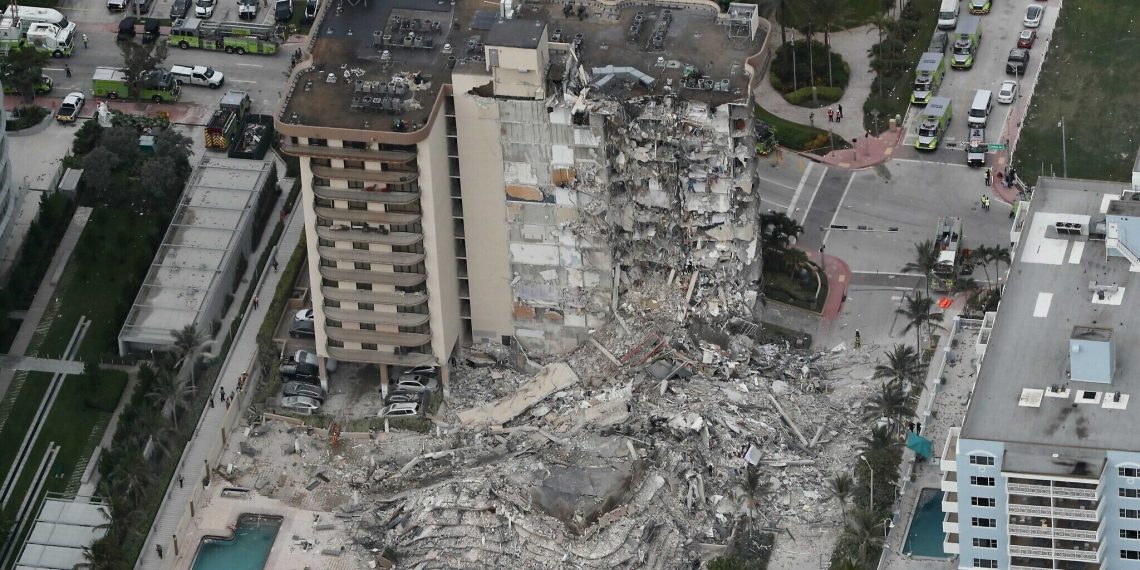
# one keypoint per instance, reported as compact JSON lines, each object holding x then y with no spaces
{"x":228,"y":399}
{"x":833,"y":115}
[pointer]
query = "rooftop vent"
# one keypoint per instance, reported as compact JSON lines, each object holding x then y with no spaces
{"x":1091,"y":355}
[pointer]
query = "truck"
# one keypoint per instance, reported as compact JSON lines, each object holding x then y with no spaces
{"x":232,"y":108}
{"x":158,"y":85}
{"x":46,"y":38}
{"x":967,"y":38}
{"x":933,"y":122}
{"x":230,"y":37}
{"x":951,"y":256}
{"x":28,"y":15}
{"x":976,"y":148}
{"x":928,"y":76}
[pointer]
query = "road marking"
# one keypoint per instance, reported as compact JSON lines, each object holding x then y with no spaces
{"x":932,"y":161}
{"x":248,"y":65}
{"x":813,"y":193}
{"x":243,"y":81}
{"x":776,"y":182}
{"x":775,"y":203}
{"x":838,"y":207}
{"x":800,"y":187}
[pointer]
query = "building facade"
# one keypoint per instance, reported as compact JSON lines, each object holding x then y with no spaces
{"x":9,"y":193}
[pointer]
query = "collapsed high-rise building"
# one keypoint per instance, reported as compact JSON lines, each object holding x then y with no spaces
{"x":475,"y":175}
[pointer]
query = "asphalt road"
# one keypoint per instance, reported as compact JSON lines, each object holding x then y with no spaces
{"x":1000,"y":29}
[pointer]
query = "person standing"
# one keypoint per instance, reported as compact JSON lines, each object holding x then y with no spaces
{"x":830,"y":115}
{"x":158,"y":549}
{"x":67,"y":70}
{"x":256,"y":302}
{"x":840,"y":107}
{"x":84,"y":41}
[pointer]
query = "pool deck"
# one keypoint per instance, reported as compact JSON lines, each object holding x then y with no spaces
{"x":949,"y":405}
{"x":219,"y":513}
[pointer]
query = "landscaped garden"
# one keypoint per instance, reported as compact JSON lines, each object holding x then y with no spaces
{"x":893,"y":59}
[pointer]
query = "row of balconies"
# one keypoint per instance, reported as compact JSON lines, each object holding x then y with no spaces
{"x":1054,"y":532}
{"x":1055,"y":512}
{"x":1057,"y":553}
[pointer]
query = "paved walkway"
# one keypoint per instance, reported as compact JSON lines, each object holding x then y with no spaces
{"x":44,"y":294}
{"x":91,"y":473}
{"x":33,"y":364}
{"x":208,"y":436}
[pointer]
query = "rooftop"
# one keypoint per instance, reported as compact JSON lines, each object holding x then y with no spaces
{"x":404,"y":52}
{"x":1051,"y":293}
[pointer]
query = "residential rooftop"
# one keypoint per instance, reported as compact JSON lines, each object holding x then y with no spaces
{"x":1062,"y":289}
{"x":404,"y":52}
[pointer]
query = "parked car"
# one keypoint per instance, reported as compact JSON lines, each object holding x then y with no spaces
{"x":311,"y":7}
{"x":425,"y":370}
{"x":144,"y":6}
{"x":1033,"y":15}
{"x":939,"y":42}
{"x":117,"y":5}
{"x":197,"y":75}
{"x":311,"y":358}
{"x":247,"y":9}
{"x":1018,"y":61}
{"x":69,"y":109}
{"x":400,"y":409}
{"x":303,"y":315}
{"x":205,"y":8}
{"x":301,"y":371}
{"x":403,"y":397}
{"x":303,"y":329}
{"x":303,"y":389}
{"x":1026,"y":39}
{"x":126,"y":29}
{"x":43,"y":86}
{"x":300,"y":404}
{"x":416,"y":383}
{"x":151,"y":30}
{"x":179,"y":9}
{"x":1008,"y":92}
{"x":283,"y":11}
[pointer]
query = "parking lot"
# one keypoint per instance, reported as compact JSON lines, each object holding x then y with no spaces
{"x":1000,"y":29}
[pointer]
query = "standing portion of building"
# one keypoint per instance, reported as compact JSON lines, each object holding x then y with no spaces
{"x":477,"y":176}
{"x":9,"y":193}
{"x":1045,"y":471}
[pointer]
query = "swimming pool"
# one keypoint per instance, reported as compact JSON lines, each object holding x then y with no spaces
{"x":924,"y":538}
{"x":247,"y":549}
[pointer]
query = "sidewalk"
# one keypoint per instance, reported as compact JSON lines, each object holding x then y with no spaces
{"x":209,"y":435}
{"x":838,"y":280}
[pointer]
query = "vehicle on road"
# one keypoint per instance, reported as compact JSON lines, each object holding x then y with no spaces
{"x":300,"y":404}
{"x":158,"y":85}
{"x":303,"y":389}
{"x":980,"y":109}
{"x":928,"y":76}
{"x":42,"y":87}
{"x":230,"y":37}
{"x":416,"y":383}
{"x":283,"y":10}
{"x":143,"y":6}
{"x":311,"y":7}
{"x":976,"y":148}
{"x":948,"y":241}
{"x":126,"y":31}
{"x":28,"y":15}
{"x":1007,"y":92}
{"x":197,"y":75}
{"x":247,"y":9}
{"x":400,"y":409}
{"x":1026,"y":39}
{"x":45,"y":38}
{"x":70,"y":107}
{"x":967,"y":38}
{"x":1033,"y":15}
{"x":1018,"y":61}
{"x":151,"y":30}
{"x":948,"y":15}
{"x":933,"y":122}
{"x":205,"y":8}
{"x":179,"y":9}
{"x":939,"y":42}
{"x":980,"y":6}
{"x":117,"y":5}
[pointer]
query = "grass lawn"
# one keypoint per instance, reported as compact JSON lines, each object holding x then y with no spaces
{"x":891,"y":96}
{"x":858,"y":13}
{"x":800,"y":137}
{"x":1090,"y":78}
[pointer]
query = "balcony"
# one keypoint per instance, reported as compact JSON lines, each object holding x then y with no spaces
{"x":385,"y":176}
{"x":378,"y":277}
{"x":380,"y":196}
{"x":367,"y":216}
{"x":950,"y":544}
{"x":950,"y":481}
{"x":374,"y":297}
{"x":377,"y":357}
{"x":1051,"y":532}
{"x":950,"y":503}
{"x":348,"y":233}
{"x":950,"y":523}
{"x":383,"y":338}
{"x":376,"y":317}
{"x":370,"y":256}
{"x":1053,"y":512}
{"x":392,"y":156}
{"x":949,"y":461}
{"x":1051,"y":491}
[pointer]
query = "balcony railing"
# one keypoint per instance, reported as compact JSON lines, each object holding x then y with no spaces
{"x":1052,"y":532}
{"x":378,"y":357}
{"x":372,"y":235}
{"x":381,"y":196}
{"x":385,"y":176}
{"x":949,"y":461}
{"x":371,"y":216}
{"x":395,"y":156}
{"x":1054,"y":553}
{"x":1050,"y":491}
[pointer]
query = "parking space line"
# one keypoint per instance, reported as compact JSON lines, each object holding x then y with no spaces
{"x":777,"y":182}
{"x":838,"y":208}
{"x":800,"y":188}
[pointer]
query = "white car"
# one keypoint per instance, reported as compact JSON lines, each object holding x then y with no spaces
{"x":205,"y":8}
{"x":1008,"y":92}
{"x":300,"y":403}
{"x":401,"y":409}
{"x":303,"y":315}
{"x":1033,"y":15}
{"x":416,"y":383}
{"x":70,"y":107}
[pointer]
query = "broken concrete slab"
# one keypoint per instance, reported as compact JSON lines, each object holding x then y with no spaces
{"x":552,"y":378}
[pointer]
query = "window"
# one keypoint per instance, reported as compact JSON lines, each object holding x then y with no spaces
{"x":363,"y":266}
{"x":367,"y":326}
{"x":369,"y":346}
{"x":319,"y":182}
{"x":318,"y":142}
{"x":983,"y":501}
{"x":1129,"y":514}
{"x":355,"y":144}
{"x":360,"y":245}
{"x":356,"y":184}
{"x":985,"y":542}
{"x":1130,"y":554}
{"x":366,"y":306}
{"x":1130,"y":493}
{"x":363,"y":286}
{"x":983,"y":522}
{"x":354,"y":164}
{"x":981,"y":481}
{"x":985,"y":563}
{"x":1130,"y":534}
{"x":320,"y":162}
{"x":1128,"y":471}
{"x":981,"y":460}
{"x":325,"y":242}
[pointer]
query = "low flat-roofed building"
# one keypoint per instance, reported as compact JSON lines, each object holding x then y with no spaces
{"x":194,"y":269}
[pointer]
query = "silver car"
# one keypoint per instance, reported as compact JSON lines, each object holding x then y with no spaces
{"x":300,"y":404}
{"x":417,"y":383}
{"x":303,"y":389}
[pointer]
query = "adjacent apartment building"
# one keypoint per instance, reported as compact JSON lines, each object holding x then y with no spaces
{"x":483,"y":172}
{"x":1045,"y":470}
{"x":9,"y":193}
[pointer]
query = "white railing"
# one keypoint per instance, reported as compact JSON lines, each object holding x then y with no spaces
{"x":1030,"y":530}
{"x":1082,"y":555}
{"x":1051,"y":491}
{"x":1030,"y":510}
{"x":1051,"y":532}
{"x":1079,"y":514}
{"x":1025,"y":489}
{"x":1034,"y":551}
{"x":1076,"y":534}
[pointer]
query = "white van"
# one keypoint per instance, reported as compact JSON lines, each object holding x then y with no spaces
{"x":948,"y":15}
{"x":980,"y":108}
{"x":197,"y":75}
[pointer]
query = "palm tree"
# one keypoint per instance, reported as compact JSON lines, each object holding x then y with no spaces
{"x":841,"y":487}
{"x":999,"y":255}
{"x":925,"y":260}
{"x":901,"y":366}
{"x":846,"y":564}
{"x":749,"y":491}
{"x":982,"y":256}
{"x":879,"y":438}
{"x":865,"y":527}
{"x":917,"y":311}
{"x":881,"y":23}
{"x":187,"y":341}
{"x":830,"y":13}
{"x":781,"y":11}
{"x":169,"y":392}
{"x":965,"y":285}
{"x":891,"y":402}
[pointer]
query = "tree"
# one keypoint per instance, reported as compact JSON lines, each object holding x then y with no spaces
{"x":187,"y":341}
{"x":878,"y":439}
{"x":917,"y":311}
{"x":830,"y":13}
{"x":841,"y":486}
{"x":169,"y":143}
{"x":865,"y":528}
{"x":159,"y":182}
{"x":982,"y":256}
{"x":139,"y":60}
{"x":881,"y":23}
{"x":782,"y":10}
{"x":999,"y":255}
{"x":98,"y":168}
{"x":779,"y":230}
{"x":23,"y":68}
{"x":749,"y":491}
{"x":169,"y":392}
{"x":925,"y":260}
{"x":902,"y":366}
{"x":891,"y":402}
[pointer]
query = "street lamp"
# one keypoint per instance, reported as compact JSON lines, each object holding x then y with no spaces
{"x":1064,"y":154}
{"x":871,"y":499}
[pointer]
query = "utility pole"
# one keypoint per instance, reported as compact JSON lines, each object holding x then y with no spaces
{"x":1064,"y":154}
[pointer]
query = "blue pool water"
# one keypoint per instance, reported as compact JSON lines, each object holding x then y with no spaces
{"x":247,"y":550}
{"x":925,"y":535}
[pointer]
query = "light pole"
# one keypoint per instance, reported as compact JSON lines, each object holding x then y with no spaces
{"x":871,"y":499}
{"x":1064,"y":154}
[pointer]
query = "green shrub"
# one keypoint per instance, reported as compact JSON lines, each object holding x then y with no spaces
{"x":809,"y":66}
{"x":824,"y":95}
{"x":23,"y":117}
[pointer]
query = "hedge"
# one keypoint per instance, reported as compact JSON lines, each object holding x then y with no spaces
{"x":824,"y":95}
